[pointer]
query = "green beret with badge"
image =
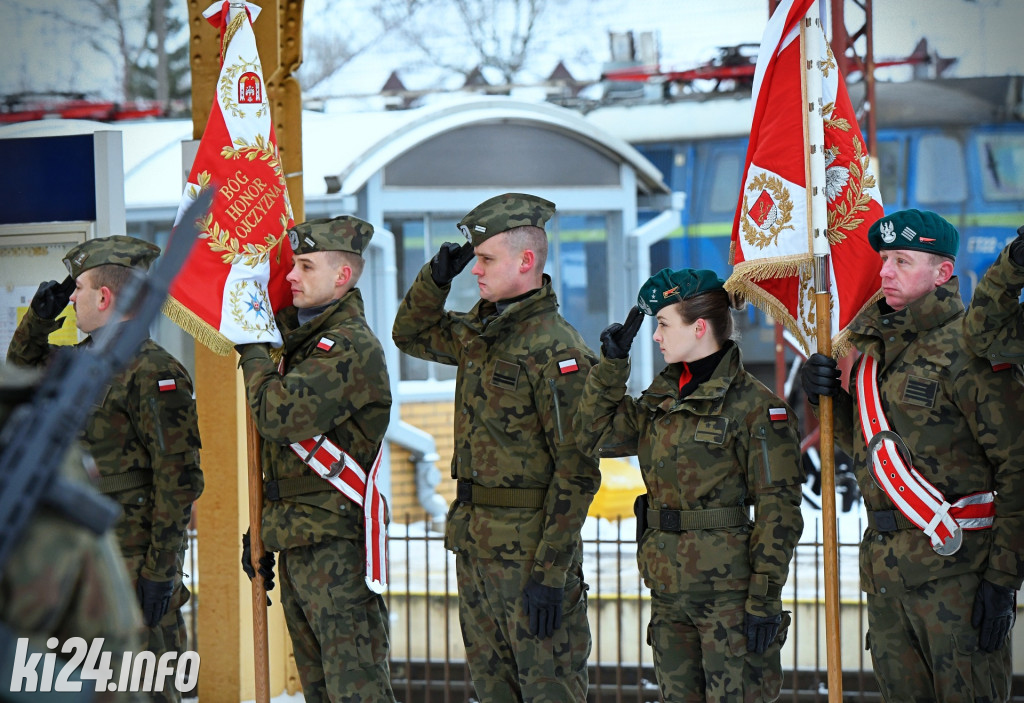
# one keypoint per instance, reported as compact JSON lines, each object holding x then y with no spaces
{"x":920,"y":230}
{"x":667,"y":287}
{"x":117,"y":250}
{"x":343,"y":233}
{"x":504,"y":212}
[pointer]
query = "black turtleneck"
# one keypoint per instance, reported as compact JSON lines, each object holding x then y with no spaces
{"x":701,"y":370}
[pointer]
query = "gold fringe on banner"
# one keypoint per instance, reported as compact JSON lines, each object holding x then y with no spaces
{"x":197,"y":327}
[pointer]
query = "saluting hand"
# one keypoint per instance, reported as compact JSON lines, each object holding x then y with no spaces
{"x":52,"y":297}
{"x":618,"y":338}
{"x":449,"y":261}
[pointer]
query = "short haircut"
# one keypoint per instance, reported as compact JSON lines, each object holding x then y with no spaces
{"x":112,"y":276}
{"x":353,"y":261}
{"x":529,"y":237}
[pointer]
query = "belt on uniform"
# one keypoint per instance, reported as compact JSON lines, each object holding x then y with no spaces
{"x":706,"y":519}
{"x":889,"y":521}
{"x":468,"y":492}
{"x":136,"y":478}
{"x":288,"y":487}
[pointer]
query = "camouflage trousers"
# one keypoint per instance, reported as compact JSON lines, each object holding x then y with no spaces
{"x":338,"y":626}
{"x":700,"y":650}
{"x":507,"y":663}
{"x":168,"y":635}
{"x":923,"y":647}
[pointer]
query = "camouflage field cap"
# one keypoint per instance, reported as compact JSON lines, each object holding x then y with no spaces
{"x":117,"y":250}
{"x":921,"y":230}
{"x":502,"y":213}
{"x":667,"y":287}
{"x":343,"y":233}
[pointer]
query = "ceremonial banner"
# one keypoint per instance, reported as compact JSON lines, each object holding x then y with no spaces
{"x":235,"y":278}
{"x":771,"y":249}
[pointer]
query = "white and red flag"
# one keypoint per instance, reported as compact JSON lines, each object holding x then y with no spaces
{"x":772,"y":252}
{"x":234,"y":279}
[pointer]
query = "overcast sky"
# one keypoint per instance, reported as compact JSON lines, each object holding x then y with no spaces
{"x":984,"y":34}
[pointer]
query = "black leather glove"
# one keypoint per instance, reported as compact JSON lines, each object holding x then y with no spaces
{"x":266,"y":564}
{"x":820,"y":376}
{"x":993,"y":614}
{"x":155,"y":598}
{"x":617,"y":339}
{"x":449,"y":261}
{"x":761,"y":631}
{"x":543,"y":606}
{"x":52,"y":297}
{"x":1017,"y":247}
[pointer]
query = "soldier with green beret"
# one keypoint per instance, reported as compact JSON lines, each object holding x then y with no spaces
{"x":62,"y":579}
{"x":712,"y":441}
{"x":994,"y":323}
{"x":944,"y":489}
{"x":523,"y":487}
{"x":331,"y":384}
{"x":144,"y":434}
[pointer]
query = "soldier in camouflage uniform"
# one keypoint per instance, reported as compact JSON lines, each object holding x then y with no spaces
{"x":711,"y":441}
{"x":994,"y":323}
{"x":144,"y":434}
{"x":523,"y":487}
{"x":939,"y":617}
{"x":61,"y":579}
{"x":332,"y":381}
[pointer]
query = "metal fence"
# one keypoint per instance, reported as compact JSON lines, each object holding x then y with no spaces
{"x":428,"y":658}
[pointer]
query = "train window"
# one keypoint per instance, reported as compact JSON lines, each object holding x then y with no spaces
{"x":941,"y":170}
{"x":725,"y":184}
{"x":1002,"y":166}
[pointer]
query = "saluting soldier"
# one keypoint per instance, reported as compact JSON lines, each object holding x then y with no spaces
{"x":994,"y":324}
{"x":63,"y":579}
{"x":926,"y":423}
{"x":712,"y":441}
{"x":523,"y":486}
{"x":329,"y":393}
{"x":143,"y":435}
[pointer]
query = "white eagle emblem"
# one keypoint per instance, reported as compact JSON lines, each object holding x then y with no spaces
{"x":465,"y":233}
{"x":293,"y":239}
{"x":888,"y":231}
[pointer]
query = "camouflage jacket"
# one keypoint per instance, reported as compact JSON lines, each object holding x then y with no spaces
{"x":333,"y":381}
{"x":63,"y":581}
{"x":145,"y":428}
{"x":994,"y":323}
{"x":716,"y":448}
{"x":960,"y":421}
{"x":514,"y":406}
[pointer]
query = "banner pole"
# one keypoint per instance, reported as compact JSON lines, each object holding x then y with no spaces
{"x":261,"y":647}
{"x":814,"y":133}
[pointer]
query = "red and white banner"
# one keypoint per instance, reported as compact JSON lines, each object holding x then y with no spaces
{"x":234,"y":279}
{"x":771,"y":248}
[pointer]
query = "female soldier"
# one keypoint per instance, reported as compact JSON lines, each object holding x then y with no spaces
{"x":711,"y":441}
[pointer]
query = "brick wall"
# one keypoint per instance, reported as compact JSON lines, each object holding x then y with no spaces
{"x":437,"y":419}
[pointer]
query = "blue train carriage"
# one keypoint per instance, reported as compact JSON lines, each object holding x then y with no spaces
{"x":954,"y":146}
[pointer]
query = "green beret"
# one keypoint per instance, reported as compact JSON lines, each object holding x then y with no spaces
{"x":344,"y":233}
{"x":921,"y":230}
{"x":117,"y":250}
{"x":667,"y":287}
{"x":504,"y":212}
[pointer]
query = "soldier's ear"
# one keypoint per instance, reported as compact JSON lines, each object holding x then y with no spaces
{"x":945,"y":272}
{"x":105,"y":300}
{"x":527,"y":260}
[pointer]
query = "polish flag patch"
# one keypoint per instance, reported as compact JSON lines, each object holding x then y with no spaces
{"x":775,"y":414}
{"x":168,"y":384}
{"x":325,"y":344}
{"x":568,"y":366}
{"x":1001,"y":366}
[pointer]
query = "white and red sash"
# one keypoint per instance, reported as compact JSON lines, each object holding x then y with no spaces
{"x":921,"y":502}
{"x":321,"y":454}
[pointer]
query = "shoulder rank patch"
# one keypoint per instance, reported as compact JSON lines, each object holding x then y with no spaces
{"x":775,"y":414}
{"x":167,"y":384}
{"x":325,"y":344}
{"x":506,"y":374}
{"x":711,"y":429}
{"x":920,"y":391}
{"x":568,"y":366}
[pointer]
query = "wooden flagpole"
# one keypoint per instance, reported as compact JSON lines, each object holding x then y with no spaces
{"x":261,"y":647}
{"x":814,"y":133}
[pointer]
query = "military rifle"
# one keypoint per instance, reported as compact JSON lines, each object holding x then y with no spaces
{"x":37,"y":434}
